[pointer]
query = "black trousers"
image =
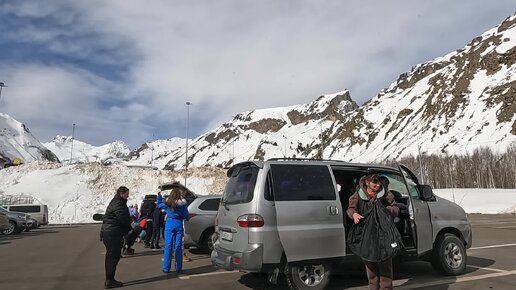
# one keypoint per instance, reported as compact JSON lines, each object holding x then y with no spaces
{"x":130,"y":238}
{"x":113,"y":254}
{"x":156,"y":235}
{"x":149,"y":230}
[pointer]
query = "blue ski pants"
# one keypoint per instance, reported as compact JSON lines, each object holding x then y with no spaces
{"x":173,"y":240}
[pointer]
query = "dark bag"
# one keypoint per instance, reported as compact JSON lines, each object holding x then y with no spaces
{"x":375,"y":238}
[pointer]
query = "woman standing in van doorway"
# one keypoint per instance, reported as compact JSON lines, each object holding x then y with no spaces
{"x":115,"y":225}
{"x":177,"y":211}
{"x":374,"y":237}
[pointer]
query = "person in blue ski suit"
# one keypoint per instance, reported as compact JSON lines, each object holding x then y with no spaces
{"x":177,"y":210}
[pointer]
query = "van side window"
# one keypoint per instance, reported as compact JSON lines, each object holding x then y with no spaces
{"x":396,"y":184}
{"x":302,"y":182}
{"x":25,"y":208}
{"x":412,"y":186}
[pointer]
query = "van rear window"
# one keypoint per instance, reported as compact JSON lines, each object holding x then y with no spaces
{"x":25,"y":208}
{"x":240,"y":186}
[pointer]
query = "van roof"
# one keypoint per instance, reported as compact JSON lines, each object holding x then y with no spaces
{"x":335,"y":163}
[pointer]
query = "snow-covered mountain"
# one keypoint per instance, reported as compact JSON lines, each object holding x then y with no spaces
{"x":83,"y":152}
{"x":155,"y":153}
{"x":452,"y":104}
{"x":268,"y":133}
{"x":16,"y":141}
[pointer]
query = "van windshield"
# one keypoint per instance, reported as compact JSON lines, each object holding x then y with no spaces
{"x":240,"y":186}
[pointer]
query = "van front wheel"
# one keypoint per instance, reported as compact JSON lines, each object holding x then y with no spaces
{"x":449,"y":255}
{"x":307,"y":276}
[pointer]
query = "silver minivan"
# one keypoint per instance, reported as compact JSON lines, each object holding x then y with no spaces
{"x":38,"y":212}
{"x":286,"y":216}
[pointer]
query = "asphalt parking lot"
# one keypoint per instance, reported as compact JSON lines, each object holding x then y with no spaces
{"x":72,"y":257}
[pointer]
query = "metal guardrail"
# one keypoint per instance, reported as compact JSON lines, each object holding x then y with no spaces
{"x":7,"y":199}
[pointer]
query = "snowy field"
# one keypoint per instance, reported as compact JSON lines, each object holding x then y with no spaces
{"x":74,"y":193}
{"x":481,"y":200}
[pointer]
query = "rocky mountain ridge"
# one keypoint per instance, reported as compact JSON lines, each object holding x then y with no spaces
{"x":450,"y":105}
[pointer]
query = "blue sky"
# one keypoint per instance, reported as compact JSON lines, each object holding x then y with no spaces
{"x":123,"y":70}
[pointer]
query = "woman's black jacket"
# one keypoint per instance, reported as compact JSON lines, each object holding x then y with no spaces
{"x":117,"y":221}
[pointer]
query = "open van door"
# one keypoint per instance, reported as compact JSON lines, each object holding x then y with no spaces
{"x":422,"y":218}
{"x":308,"y":212}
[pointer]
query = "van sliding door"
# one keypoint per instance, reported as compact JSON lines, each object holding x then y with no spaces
{"x":309,"y":215}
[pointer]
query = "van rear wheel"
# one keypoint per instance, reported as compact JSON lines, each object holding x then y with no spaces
{"x":449,"y":255}
{"x":308,"y":276}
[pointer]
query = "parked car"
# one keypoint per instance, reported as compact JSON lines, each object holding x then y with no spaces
{"x":286,"y":216}
{"x":200,"y":228}
{"x":4,"y":222}
{"x":31,"y":224}
{"x":38,"y":212}
{"x":17,"y":221}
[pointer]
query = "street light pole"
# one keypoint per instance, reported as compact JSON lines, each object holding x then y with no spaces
{"x":73,"y":136}
{"x":2,"y":85}
{"x":186,"y":151}
{"x":152,"y":151}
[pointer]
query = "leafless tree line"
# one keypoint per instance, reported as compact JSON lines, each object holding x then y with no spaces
{"x":481,"y":169}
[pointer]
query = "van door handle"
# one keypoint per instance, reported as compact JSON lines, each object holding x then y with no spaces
{"x":333,"y":210}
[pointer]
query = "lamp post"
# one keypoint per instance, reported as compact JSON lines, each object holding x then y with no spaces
{"x":186,"y":151}
{"x":2,"y":85}
{"x":152,"y":151}
{"x":73,"y":136}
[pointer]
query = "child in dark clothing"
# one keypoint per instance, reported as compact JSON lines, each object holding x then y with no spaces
{"x":158,"y":218}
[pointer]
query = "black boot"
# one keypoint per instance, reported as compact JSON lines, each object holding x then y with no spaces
{"x":128,"y":251}
{"x":109,"y":284}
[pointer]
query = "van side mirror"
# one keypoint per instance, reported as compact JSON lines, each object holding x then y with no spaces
{"x":428,"y":193}
{"x":98,"y":217}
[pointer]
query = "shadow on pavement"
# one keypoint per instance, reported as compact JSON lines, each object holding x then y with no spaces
{"x":151,"y":279}
{"x":166,"y":276}
{"x":32,"y":233}
{"x":197,"y":251}
{"x":144,"y":253}
{"x":417,"y":275}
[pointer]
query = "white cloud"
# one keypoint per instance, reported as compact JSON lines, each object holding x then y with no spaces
{"x":231,"y":56}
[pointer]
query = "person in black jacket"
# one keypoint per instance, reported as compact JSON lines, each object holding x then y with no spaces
{"x":115,"y":225}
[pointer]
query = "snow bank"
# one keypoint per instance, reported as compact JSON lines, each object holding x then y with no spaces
{"x":74,"y":193}
{"x":481,"y":200}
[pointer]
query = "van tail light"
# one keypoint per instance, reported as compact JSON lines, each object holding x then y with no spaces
{"x":250,"y":221}
{"x":191,"y":215}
